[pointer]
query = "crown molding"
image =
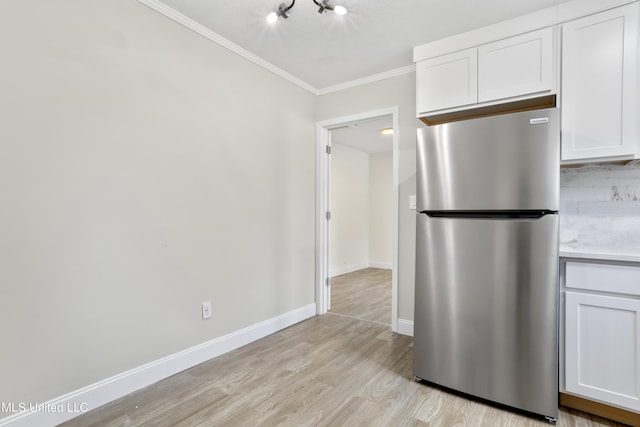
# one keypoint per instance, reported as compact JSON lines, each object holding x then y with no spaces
{"x":178,"y":17}
{"x":173,"y":14}
{"x":370,"y":79}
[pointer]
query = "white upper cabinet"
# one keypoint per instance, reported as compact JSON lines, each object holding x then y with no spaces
{"x":599,"y":85}
{"x":517,"y":66}
{"x":447,"y":81}
{"x":511,"y":69}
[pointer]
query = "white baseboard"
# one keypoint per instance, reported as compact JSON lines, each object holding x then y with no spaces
{"x":355,"y":267}
{"x":405,"y":327}
{"x":381,"y":264}
{"x":348,"y":269}
{"x":73,"y":404}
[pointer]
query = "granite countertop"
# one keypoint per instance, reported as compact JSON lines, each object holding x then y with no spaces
{"x":591,"y":252}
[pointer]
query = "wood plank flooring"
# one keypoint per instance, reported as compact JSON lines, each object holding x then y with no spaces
{"x":329,"y":370}
{"x":364,"y":294}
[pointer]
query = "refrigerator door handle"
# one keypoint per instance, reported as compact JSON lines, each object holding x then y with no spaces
{"x":514,"y":215}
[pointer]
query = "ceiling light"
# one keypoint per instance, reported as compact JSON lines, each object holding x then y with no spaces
{"x":340,"y":10}
{"x":387,"y":131}
{"x":324,"y":6}
{"x":272,"y":17}
{"x":283,"y":10}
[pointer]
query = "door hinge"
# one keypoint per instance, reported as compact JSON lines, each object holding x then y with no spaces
{"x":328,"y":147}
{"x":328,"y":281}
{"x":327,"y":215}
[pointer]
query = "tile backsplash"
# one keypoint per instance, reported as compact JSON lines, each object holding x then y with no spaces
{"x":600,"y":208}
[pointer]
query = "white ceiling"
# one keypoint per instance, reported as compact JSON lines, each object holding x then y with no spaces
{"x":376,"y":36}
{"x":365,"y":136}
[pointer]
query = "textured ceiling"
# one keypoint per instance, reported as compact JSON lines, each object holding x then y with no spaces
{"x":365,"y":136}
{"x":376,"y":36}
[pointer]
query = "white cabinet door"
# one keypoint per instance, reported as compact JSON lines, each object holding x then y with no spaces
{"x":517,"y":66}
{"x":602,"y":348}
{"x":599,"y":78}
{"x":447,"y":81}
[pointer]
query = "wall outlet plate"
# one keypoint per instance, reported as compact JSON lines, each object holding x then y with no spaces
{"x":206,"y":310}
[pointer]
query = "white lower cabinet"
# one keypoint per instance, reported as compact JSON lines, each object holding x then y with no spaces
{"x":602,"y":348}
{"x":602,"y":334}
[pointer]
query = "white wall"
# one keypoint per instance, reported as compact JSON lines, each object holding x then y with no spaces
{"x":381,"y":210}
{"x":600,"y":208}
{"x":396,"y":91}
{"x":349,"y":204}
{"x":361,"y":232}
{"x":143,"y":170}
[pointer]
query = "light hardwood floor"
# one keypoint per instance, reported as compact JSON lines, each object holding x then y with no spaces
{"x":364,"y":294}
{"x":329,"y":370}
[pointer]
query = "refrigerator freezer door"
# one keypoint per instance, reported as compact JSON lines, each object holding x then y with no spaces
{"x":505,"y":162}
{"x":485,"y":309}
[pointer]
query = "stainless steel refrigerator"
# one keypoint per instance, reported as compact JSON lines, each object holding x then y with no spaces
{"x":486,"y":286}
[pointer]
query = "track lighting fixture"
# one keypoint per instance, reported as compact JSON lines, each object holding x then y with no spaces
{"x":283,"y":10}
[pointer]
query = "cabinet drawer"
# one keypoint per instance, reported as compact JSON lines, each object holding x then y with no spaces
{"x":603,"y":277}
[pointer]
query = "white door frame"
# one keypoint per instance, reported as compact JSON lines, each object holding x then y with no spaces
{"x":323,"y":139}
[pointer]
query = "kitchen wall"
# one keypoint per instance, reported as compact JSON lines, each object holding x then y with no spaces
{"x":600,"y":208}
{"x":394,"y":91}
{"x":143,"y":170}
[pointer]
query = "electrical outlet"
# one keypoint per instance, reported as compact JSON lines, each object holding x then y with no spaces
{"x":206,"y":310}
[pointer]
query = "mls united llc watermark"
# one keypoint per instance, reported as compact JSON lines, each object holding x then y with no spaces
{"x":22,"y":407}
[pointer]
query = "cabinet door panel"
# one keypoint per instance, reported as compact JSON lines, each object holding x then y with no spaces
{"x":603,"y":348}
{"x":447,"y":81}
{"x":599,"y":85}
{"x":516,"y":66}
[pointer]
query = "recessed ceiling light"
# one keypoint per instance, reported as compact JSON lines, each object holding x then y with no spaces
{"x":387,"y":131}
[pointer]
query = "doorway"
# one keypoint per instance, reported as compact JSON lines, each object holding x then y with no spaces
{"x":361,"y":225}
{"x":324,"y":146}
